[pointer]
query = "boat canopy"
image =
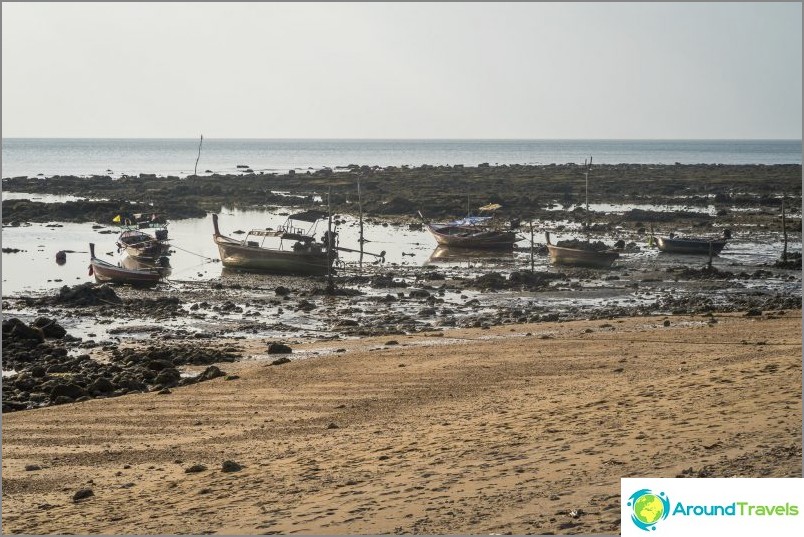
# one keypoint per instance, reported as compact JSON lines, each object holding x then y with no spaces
{"x":469,"y":221}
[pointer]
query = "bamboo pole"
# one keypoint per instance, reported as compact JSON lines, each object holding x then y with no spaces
{"x":784,"y":231}
{"x":360,"y":216}
{"x":195,"y":171}
{"x":330,"y":244}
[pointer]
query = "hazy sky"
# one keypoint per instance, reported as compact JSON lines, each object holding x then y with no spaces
{"x":406,"y":70}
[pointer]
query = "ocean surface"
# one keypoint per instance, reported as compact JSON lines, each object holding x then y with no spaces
{"x":89,"y":156}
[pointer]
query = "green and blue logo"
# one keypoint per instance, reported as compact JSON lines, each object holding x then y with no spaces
{"x":648,"y":508}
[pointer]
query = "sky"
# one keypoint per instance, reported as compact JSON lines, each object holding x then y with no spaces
{"x":402,"y":70}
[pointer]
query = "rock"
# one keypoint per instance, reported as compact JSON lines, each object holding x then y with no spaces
{"x":63,"y":400}
{"x":38,"y":371}
{"x":281,"y":361}
{"x":332,"y":426}
{"x":282,"y":291}
{"x":159,"y":365}
{"x":168,"y":377}
{"x":50,"y":328}
{"x":753,"y":312}
{"x":70,"y":390}
{"x":210,"y":373}
{"x":15,"y":329}
{"x":32,"y":467}
{"x":196,"y":468}
{"x":230,"y":466}
{"x":278,"y":348}
{"x":101,"y":385}
{"x":82,"y":494}
{"x":164,"y":391}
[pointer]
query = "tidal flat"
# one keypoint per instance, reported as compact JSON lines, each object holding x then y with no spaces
{"x":409,"y":362}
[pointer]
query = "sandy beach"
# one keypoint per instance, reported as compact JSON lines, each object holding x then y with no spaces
{"x":519,"y":428}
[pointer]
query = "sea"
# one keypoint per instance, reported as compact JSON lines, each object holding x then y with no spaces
{"x":46,"y":157}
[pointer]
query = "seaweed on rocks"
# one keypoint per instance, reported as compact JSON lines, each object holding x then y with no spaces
{"x":85,"y":294}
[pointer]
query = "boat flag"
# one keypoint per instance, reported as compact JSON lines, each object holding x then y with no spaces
{"x":116,"y":219}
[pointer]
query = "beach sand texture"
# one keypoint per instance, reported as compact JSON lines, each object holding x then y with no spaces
{"x":478,"y":431}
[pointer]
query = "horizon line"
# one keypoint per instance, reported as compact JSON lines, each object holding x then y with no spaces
{"x":408,"y":139}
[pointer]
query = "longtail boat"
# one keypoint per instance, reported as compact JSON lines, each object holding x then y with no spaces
{"x":692,"y":245}
{"x":292,"y":250}
{"x":473,"y":232}
{"x":105,"y":272}
{"x":561,"y":255}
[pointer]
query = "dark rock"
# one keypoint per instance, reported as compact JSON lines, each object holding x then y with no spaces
{"x":194,"y":469}
{"x":15,"y":329}
{"x":70,"y":390}
{"x":82,"y":494}
{"x":168,"y":377}
{"x":280,"y":361}
{"x":50,"y":328}
{"x":278,"y":348}
{"x":230,"y":466}
{"x":210,"y":373}
{"x":101,"y":385}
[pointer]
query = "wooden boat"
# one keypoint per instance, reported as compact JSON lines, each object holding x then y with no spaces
{"x":141,"y":245}
{"x":105,"y":272}
{"x":560,"y":255}
{"x":690,"y":245}
{"x":295,"y":251}
{"x":472,"y":232}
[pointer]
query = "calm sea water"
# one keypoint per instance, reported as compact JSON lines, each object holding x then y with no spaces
{"x":49,"y":156}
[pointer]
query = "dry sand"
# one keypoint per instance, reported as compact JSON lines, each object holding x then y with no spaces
{"x":480,"y":431}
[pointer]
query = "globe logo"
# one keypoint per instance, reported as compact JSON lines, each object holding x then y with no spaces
{"x":648,"y":508}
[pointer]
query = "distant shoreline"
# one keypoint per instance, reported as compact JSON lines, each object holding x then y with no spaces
{"x":524,"y":191}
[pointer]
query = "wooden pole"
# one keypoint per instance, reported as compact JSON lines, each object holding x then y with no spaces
{"x":784,"y":231}
{"x":195,"y":171}
{"x":531,"y":245}
{"x":360,"y":216}
{"x":588,"y":220}
{"x":330,"y":244}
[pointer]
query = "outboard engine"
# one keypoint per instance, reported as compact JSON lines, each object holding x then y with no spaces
{"x":161,"y":234}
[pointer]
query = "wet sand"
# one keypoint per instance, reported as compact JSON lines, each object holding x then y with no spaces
{"x":477,"y":431}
